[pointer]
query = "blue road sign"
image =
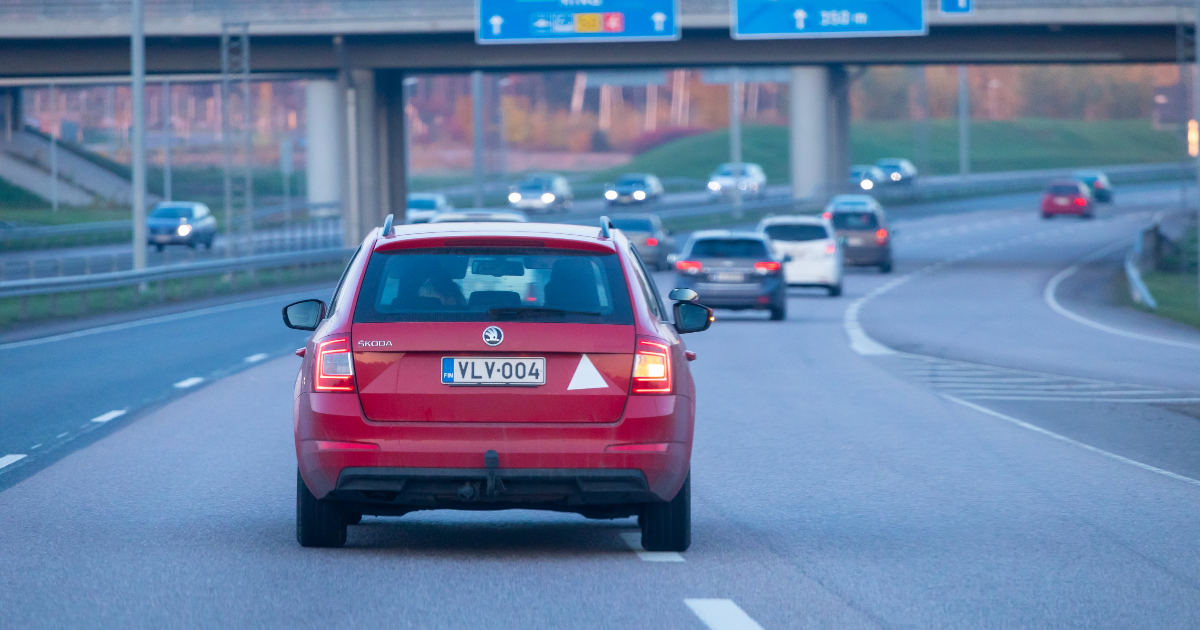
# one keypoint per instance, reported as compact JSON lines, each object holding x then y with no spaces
{"x":534,"y":21}
{"x":784,"y":19}
{"x":955,"y":6}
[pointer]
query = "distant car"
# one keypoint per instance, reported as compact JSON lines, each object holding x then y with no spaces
{"x":542,"y":192}
{"x":866,"y":176}
{"x":1098,"y":183}
{"x":480,"y":216}
{"x":180,"y":223}
{"x":812,"y":245}
{"x":734,"y":271}
{"x":634,"y":189}
{"x":752,"y":181}
{"x":653,"y":242}
{"x":898,"y":171}
{"x":424,"y":206}
{"x":863,"y":232}
{"x":1068,"y":196}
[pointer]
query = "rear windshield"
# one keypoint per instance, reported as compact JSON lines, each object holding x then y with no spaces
{"x":855,"y":221}
{"x":796,"y":232}
{"x":1064,"y":189}
{"x":493,"y":284}
{"x":172,"y":212}
{"x":422,"y":204}
{"x":729,"y":248}
{"x":634,"y":225}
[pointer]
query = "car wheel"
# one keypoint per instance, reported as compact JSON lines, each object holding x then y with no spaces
{"x":159,"y":248}
{"x":779,"y":313}
{"x":1089,"y":215}
{"x":319,"y":523}
{"x":1046,"y":216}
{"x":353,"y":518}
{"x":835,"y":290}
{"x":208,"y":243}
{"x":668,"y":526}
{"x":191,"y":243}
{"x":886,"y":266}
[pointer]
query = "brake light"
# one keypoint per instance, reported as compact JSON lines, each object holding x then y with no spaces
{"x":765,"y":267}
{"x":1098,"y":184}
{"x":652,"y":242}
{"x":652,"y":368}
{"x":881,"y":236}
{"x":689,"y":266}
{"x":1080,"y":201}
{"x":831,"y":249}
{"x":660,"y":447}
{"x":346,"y":446}
{"x":334,"y":367}
{"x":827,"y":215}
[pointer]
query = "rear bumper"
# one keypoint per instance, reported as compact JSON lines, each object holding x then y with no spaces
{"x":823,"y":272}
{"x":1072,"y":209}
{"x":534,"y":456}
{"x":866,"y":256}
{"x":760,"y":295}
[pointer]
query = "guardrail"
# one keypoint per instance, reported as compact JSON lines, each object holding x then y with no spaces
{"x":1133,"y":266}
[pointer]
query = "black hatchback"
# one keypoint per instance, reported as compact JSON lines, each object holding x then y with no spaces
{"x":734,"y":271}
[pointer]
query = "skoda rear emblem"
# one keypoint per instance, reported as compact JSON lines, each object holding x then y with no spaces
{"x":492,"y":335}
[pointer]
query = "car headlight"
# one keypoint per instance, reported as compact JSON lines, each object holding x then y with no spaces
{"x":610,"y":195}
{"x":639,"y":195}
{"x":547,"y":197}
{"x":183,"y":230}
{"x":867,"y":184}
{"x":714,"y":186}
{"x":895,"y":177}
{"x":514,"y":197}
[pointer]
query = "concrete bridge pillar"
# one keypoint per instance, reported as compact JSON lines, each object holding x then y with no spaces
{"x":322,"y":141}
{"x":820,"y":130}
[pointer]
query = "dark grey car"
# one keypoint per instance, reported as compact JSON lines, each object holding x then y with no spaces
{"x":180,"y":223}
{"x":652,"y":241}
{"x":866,"y":241}
{"x":734,"y":271}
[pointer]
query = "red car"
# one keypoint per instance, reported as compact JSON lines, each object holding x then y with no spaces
{"x":1068,"y":197}
{"x":490,"y":366}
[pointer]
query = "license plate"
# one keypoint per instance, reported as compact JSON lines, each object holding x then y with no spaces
{"x":529,"y":371}
{"x":729,"y":276}
{"x":854,"y":241}
{"x":162,"y":238}
{"x":1062,"y":201}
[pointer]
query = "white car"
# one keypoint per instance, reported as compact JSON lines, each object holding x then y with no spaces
{"x":481,"y":215}
{"x":815,"y":257}
{"x":752,"y":181}
{"x":542,"y":192}
{"x":424,"y":206}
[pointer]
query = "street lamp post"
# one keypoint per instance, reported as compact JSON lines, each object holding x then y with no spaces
{"x":137,"y":46}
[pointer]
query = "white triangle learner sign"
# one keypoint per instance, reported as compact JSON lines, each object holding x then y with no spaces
{"x":587,"y":376}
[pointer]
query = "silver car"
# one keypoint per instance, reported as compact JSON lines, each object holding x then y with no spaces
{"x":653,"y":242}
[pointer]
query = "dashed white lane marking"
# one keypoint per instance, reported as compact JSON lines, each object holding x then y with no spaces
{"x":255,"y":358}
{"x":35,"y":446}
{"x":111,"y":415}
{"x":9,"y":460}
{"x":722,"y":614}
{"x":1063,"y":438}
{"x":189,"y":382}
{"x":634,"y":540}
{"x":1048,"y":295}
{"x":61,"y":435}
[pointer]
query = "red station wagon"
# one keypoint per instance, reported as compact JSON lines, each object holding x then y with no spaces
{"x":491,"y":366}
{"x":1067,"y":197}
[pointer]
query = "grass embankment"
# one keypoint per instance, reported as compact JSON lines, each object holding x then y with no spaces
{"x":1176,"y":292}
{"x":41,"y":308}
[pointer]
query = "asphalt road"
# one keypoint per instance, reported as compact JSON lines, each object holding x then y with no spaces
{"x":941,"y":447}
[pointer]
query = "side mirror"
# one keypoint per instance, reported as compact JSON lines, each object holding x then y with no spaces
{"x":787,"y":258}
{"x":691,"y":317}
{"x":672,"y":258}
{"x":304,"y":315}
{"x":683,"y":295}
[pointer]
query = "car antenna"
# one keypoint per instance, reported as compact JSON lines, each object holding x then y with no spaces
{"x":387,"y":225}
{"x":606,"y":224}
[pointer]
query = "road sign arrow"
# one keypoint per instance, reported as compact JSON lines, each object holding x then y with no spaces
{"x":659,"y":19}
{"x":800,"y":16}
{"x":496,"y":21}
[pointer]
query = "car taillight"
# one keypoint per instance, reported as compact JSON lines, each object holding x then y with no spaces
{"x":651,"y":368}
{"x":334,"y":367}
{"x":652,"y":242}
{"x":827,"y":215}
{"x":1080,"y":201}
{"x":1098,"y":184}
{"x":689,"y":266}
{"x":769,"y":266}
{"x":831,"y":249}
{"x":881,"y":236}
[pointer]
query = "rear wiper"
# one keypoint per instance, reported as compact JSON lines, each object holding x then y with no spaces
{"x":531,"y":312}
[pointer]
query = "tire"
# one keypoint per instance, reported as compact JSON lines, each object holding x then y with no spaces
{"x":319,"y":523}
{"x":886,"y":266}
{"x":668,"y":526}
{"x":834,"y":290}
{"x":1045,"y":216}
{"x":353,"y":518}
{"x":159,"y":248}
{"x":208,"y":243}
{"x":191,"y":244}
{"x":779,"y":313}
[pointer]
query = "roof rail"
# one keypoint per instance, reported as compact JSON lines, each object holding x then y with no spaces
{"x":387,"y":225}
{"x":606,"y":224}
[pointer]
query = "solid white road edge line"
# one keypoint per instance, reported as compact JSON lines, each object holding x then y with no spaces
{"x":189,"y":382}
{"x":255,"y":358}
{"x":1063,"y":438}
{"x":8,"y":460}
{"x":634,"y":540}
{"x":722,"y":614}
{"x":1048,"y":295}
{"x":111,"y":415}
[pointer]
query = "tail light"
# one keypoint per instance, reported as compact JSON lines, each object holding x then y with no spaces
{"x":689,"y":266}
{"x":1098,"y":184}
{"x":766,"y":267}
{"x":334,"y":366}
{"x":651,"y":368}
{"x":1080,"y":201}
{"x":831,"y":249}
{"x":827,"y":215}
{"x":881,"y":236}
{"x":652,"y":242}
